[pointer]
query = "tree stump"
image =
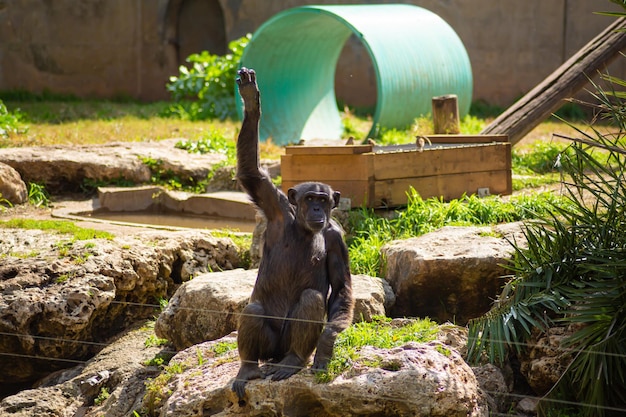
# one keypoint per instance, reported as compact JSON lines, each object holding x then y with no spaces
{"x":446,"y":115}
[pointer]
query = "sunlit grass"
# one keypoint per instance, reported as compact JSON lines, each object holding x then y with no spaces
{"x":378,"y":333}
{"x":370,"y":231}
{"x":58,"y":226}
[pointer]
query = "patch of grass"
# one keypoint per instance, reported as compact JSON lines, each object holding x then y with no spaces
{"x":521,"y":182}
{"x":81,"y":122}
{"x":369,"y":231}
{"x":153,"y":340}
{"x":25,"y":255}
{"x":378,"y":333}
{"x":58,"y":226}
{"x":538,"y":158}
{"x":221,"y":348}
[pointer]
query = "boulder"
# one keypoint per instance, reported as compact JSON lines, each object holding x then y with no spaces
{"x":412,"y":380}
{"x":55,"y":291}
{"x":208,"y":306}
{"x":122,"y":379}
{"x":452,"y":274}
{"x":119,"y":369}
{"x":63,"y":168}
{"x":492,"y":382}
{"x":12,"y":188}
{"x":205,"y":308}
{"x":543,"y":360}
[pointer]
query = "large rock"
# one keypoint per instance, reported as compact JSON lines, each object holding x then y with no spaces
{"x":452,"y":274}
{"x":205,"y":308}
{"x":55,"y":291}
{"x":63,"y":168}
{"x":413,"y":380}
{"x":119,"y":369}
{"x":12,"y":188}
{"x":543,"y":360}
{"x":208,"y":306}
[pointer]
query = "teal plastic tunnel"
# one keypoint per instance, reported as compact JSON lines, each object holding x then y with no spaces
{"x":415,"y":54}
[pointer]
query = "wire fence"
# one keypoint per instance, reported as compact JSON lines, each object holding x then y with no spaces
{"x":511,"y":395}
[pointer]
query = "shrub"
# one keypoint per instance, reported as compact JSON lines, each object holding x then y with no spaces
{"x":207,"y":89}
{"x":10,"y":122}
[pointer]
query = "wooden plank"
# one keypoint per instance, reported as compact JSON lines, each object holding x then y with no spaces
{"x":564,"y":82}
{"x":328,"y":150}
{"x":359,"y":192}
{"x":467,"y":138}
{"x":392,"y":193}
{"x":326,"y":167}
{"x":442,"y":161}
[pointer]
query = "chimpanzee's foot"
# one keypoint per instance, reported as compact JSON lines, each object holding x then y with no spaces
{"x":248,"y":88}
{"x":247,"y":371}
{"x":290,"y":365}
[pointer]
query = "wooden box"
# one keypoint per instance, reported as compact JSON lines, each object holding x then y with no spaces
{"x":380,"y":176}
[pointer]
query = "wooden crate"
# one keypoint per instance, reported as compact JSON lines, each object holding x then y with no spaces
{"x":376,"y":176}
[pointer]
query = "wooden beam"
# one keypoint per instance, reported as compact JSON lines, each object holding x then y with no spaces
{"x":569,"y":78}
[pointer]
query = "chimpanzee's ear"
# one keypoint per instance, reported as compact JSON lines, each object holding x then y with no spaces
{"x":292,"y":194}
{"x":336,"y":196}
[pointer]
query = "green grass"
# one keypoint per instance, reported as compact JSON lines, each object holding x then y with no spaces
{"x":369,"y":232}
{"x":58,"y":226}
{"x":378,"y":333}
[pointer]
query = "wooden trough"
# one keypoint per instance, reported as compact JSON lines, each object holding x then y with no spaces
{"x":381,"y":176}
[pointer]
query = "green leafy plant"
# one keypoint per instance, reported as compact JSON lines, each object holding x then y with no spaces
{"x":102,"y":396}
{"x":370,"y":231}
{"x":214,"y":141}
{"x":37,"y":195}
{"x":10,"y":122}
{"x":4,"y":202}
{"x":207,"y":89}
{"x":574,"y":272}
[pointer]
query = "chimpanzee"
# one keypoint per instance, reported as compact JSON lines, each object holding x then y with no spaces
{"x":304,"y":274}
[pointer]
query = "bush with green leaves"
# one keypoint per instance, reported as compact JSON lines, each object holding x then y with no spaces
{"x":10,"y":122}
{"x":573,"y":271}
{"x":206,"y":89}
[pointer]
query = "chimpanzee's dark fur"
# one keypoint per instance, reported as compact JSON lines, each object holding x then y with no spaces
{"x":304,"y":275}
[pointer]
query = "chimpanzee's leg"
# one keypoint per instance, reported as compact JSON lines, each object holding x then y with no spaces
{"x":255,"y":340}
{"x":300,"y":335}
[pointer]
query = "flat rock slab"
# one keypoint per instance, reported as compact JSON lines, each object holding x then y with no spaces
{"x":63,"y":168}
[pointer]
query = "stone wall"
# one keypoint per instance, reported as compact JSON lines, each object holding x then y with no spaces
{"x":109,"y":48}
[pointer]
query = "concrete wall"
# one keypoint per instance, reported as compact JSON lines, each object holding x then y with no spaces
{"x":107,"y":48}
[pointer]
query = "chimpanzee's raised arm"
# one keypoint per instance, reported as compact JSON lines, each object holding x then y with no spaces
{"x":256,"y":182}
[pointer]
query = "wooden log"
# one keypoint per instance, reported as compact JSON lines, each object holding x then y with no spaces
{"x":569,"y":78}
{"x":446,"y":115}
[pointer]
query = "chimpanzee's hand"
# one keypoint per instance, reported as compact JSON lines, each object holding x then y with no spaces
{"x":248,"y":88}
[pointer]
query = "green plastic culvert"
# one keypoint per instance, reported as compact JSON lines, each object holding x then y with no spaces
{"x":415,"y":54}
